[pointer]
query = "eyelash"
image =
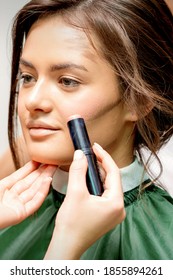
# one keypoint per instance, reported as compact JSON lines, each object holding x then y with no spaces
{"x":25,"y":79}
{"x":68,"y":82}
{"x":22,"y":79}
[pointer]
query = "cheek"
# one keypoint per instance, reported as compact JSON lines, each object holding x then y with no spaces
{"x":89,"y":108}
{"x":98,"y":108}
{"x":88,"y":111}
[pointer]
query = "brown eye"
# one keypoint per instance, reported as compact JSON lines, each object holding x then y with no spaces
{"x":25,"y":79}
{"x":68,"y":82}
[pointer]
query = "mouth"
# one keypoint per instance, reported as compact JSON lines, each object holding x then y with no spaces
{"x":41,"y":132}
{"x":41,"y":129}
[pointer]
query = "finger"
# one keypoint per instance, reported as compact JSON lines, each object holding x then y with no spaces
{"x":113,"y":185}
{"x":38,"y":186}
{"x":77,"y":173}
{"x":38,"y":198}
{"x":26,"y":182}
{"x":21,"y":173}
{"x":101,"y":171}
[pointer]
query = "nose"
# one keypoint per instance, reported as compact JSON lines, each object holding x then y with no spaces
{"x":39,"y":97}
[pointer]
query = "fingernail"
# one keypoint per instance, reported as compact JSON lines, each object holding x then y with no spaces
{"x":78,"y":154}
{"x":98,"y":146}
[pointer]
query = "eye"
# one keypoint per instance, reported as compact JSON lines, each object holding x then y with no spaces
{"x":25,"y":80}
{"x":68,"y":82}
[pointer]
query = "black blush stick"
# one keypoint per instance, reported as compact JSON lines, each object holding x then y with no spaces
{"x":80,"y":139}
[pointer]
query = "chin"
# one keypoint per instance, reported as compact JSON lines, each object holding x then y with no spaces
{"x":52,"y":160}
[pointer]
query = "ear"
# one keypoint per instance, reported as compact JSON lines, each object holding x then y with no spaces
{"x":130,"y":114}
{"x":133,"y":114}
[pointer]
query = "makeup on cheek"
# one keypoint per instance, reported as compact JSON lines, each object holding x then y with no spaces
{"x":80,"y":139}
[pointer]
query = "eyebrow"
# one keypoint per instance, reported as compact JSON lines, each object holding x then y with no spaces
{"x":55,"y":67}
{"x":26,"y":63}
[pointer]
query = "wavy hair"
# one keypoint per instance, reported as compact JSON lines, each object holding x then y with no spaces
{"x":136,"y":38}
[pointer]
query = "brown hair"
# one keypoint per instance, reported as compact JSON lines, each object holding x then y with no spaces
{"x":136,"y":38}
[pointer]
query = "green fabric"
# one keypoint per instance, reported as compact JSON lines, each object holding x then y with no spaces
{"x":29,"y":240}
{"x":146,"y":232}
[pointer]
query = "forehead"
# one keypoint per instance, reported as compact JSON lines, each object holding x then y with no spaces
{"x":53,"y":32}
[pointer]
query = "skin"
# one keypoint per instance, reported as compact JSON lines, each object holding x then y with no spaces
{"x":72,"y":78}
{"x":23,"y":192}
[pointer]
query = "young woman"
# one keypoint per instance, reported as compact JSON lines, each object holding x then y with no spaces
{"x":111,"y":62}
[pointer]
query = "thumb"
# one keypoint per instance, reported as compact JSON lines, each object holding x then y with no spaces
{"x":77,"y":173}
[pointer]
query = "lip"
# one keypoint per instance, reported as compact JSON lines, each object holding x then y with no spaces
{"x":38,"y":129}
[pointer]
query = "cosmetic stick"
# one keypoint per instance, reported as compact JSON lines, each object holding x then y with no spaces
{"x":80,"y":139}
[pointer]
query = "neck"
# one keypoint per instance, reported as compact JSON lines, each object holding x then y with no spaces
{"x":122,"y":150}
{"x":123,"y":156}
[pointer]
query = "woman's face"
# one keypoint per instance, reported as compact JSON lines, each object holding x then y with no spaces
{"x":62,"y":75}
